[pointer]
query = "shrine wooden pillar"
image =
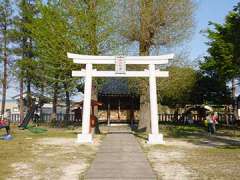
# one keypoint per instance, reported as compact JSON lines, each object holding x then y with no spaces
{"x":108,"y":113}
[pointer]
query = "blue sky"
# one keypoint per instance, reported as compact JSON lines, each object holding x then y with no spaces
{"x":208,"y":10}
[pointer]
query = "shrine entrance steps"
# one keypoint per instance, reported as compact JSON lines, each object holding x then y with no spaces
{"x":120,"y":157}
{"x":119,"y":128}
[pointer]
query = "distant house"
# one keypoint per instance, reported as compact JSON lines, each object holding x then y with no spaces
{"x":11,"y":105}
{"x":47,"y":107}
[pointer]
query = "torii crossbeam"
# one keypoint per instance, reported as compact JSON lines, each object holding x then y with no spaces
{"x":120,"y":71}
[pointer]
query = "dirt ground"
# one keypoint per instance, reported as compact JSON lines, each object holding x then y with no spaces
{"x":194,"y":155}
{"x":188,"y":153}
{"x":52,"y":155}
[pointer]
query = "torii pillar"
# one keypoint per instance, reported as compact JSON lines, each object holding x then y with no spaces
{"x":86,"y":136}
{"x":155,"y":137}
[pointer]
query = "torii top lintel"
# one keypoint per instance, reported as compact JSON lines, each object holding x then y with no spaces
{"x":85,"y":59}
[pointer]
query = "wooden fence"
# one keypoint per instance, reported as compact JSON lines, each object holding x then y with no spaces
{"x":179,"y":118}
{"x":195,"y":118}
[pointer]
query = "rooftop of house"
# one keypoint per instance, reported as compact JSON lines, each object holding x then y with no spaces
{"x":34,"y":94}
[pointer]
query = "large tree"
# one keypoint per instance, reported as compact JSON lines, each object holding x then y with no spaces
{"x":6,"y":12}
{"x":155,"y":24}
{"x":25,"y":65}
{"x":210,"y":90}
{"x":97,"y":28}
{"x":61,"y":27}
{"x":51,"y":34}
{"x":176,"y":89}
{"x":223,"y":61}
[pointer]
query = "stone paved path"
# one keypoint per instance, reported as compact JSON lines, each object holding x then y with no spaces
{"x":120,"y":157}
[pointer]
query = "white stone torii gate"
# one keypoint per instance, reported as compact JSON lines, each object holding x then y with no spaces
{"x":85,"y":137}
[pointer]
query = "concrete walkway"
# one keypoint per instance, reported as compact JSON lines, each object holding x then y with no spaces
{"x":120,"y":157}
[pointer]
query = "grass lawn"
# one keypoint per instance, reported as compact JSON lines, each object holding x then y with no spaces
{"x":189,"y":153}
{"x":52,"y":154}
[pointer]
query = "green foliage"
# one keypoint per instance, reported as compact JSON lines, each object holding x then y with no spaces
{"x":59,"y":27}
{"x":92,"y":27}
{"x":92,"y":23}
{"x":210,"y":90}
{"x":50,"y":32}
{"x":223,"y":62}
{"x":25,"y":67}
{"x":6,"y":13}
{"x":176,"y":90}
{"x":224,"y":56}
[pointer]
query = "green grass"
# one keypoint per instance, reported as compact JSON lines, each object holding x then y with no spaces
{"x":23,"y":148}
{"x":215,"y":163}
{"x":181,"y":131}
{"x":216,"y":157}
{"x":20,"y":147}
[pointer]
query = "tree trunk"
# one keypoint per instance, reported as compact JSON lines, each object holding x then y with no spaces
{"x":54,"y":105}
{"x":67,"y":102}
{"x":94,"y":97}
{"x":29,"y":95}
{"x":41,"y":102}
{"x":92,"y":4}
{"x":144,"y":50}
{"x":176,"y":114}
{"x":233,"y":88}
{"x":146,"y":34}
{"x":226,"y":113}
{"x":145,"y":115}
{"x":54,"y":110}
{"x":4,"y":80}
{"x":235,"y":110}
{"x":21,"y":103}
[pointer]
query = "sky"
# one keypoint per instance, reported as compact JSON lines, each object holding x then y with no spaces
{"x":207,"y":10}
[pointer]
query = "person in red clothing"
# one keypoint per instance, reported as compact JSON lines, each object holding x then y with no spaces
{"x":5,"y":124}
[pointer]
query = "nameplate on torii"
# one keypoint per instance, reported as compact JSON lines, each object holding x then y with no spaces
{"x":120,"y":65}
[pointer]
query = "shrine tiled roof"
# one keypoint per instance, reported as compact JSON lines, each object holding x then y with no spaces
{"x":115,"y":86}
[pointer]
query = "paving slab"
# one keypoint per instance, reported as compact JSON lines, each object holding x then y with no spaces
{"x":121,"y":179}
{"x":120,"y":157}
{"x":114,"y":157}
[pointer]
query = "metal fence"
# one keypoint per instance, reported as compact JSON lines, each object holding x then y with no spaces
{"x":15,"y":118}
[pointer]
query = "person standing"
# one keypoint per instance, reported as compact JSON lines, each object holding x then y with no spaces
{"x":210,"y":123}
{"x":215,"y":121}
